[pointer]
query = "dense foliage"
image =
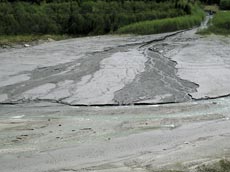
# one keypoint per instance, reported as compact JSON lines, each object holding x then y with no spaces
{"x":80,"y":17}
{"x":225,"y":4}
{"x":165,"y":25}
{"x":220,"y":24}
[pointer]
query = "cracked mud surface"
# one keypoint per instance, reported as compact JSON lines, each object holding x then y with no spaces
{"x":40,"y":133}
{"x":162,"y":68}
{"x":94,"y":70}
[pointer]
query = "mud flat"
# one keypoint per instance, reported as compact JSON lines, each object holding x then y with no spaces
{"x":115,"y":70}
{"x":64,"y":71}
{"x":60,"y":104}
{"x":205,"y":62}
{"x":44,"y":137}
{"x":92,"y":70}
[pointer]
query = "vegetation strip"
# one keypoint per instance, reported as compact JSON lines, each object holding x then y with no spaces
{"x":165,"y":25}
{"x":88,"y":17}
{"x":17,"y":39}
{"x":220,"y":24}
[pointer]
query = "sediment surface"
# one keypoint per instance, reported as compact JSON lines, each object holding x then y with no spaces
{"x":44,"y":126}
{"x":117,"y":70}
{"x":48,"y":137}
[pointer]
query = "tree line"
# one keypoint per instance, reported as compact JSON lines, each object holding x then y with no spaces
{"x":80,"y":17}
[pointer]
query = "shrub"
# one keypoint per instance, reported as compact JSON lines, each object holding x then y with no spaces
{"x":81,"y":17}
{"x":225,"y":4}
{"x":220,"y":24}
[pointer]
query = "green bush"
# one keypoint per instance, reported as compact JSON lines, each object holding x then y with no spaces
{"x":225,"y":4}
{"x":81,"y":17}
{"x":222,"y":20}
{"x":220,"y":24}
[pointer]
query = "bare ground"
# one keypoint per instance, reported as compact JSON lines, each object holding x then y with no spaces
{"x":60,"y":110}
{"x":52,"y":137}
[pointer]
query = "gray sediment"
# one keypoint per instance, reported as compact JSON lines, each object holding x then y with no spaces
{"x":159,"y":83}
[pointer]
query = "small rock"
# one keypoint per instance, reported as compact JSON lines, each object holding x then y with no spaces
{"x":30,"y":129}
{"x":25,"y":135}
{"x":86,"y":129}
{"x":4,"y":46}
{"x":171,"y":126}
{"x":186,"y":143}
{"x":26,"y":45}
{"x":59,"y":125}
{"x":50,"y":39}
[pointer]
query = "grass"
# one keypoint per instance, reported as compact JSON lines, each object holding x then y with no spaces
{"x":221,"y":166}
{"x":220,"y":24}
{"x":16,"y":39}
{"x":146,"y":27}
{"x":213,"y":8}
{"x":225,"y":4}
{"x":165,"y":25}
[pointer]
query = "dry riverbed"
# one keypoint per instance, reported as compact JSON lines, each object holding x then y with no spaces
{"x":45,"y":137}
{"x":60,"y":104}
